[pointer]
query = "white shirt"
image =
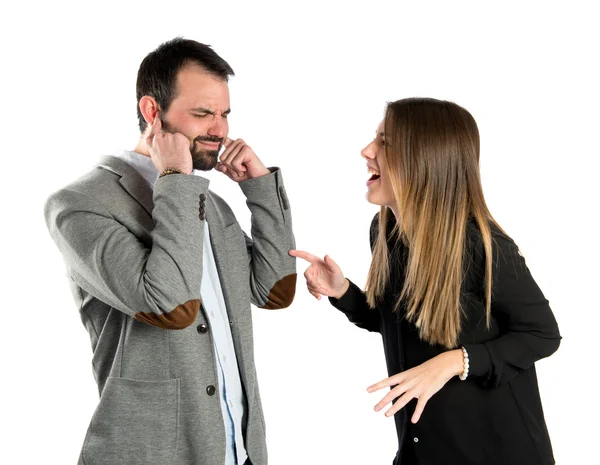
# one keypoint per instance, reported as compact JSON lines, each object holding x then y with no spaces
{"x":233,"y":401}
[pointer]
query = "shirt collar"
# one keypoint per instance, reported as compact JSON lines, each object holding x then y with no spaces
{"x":143,"y":164}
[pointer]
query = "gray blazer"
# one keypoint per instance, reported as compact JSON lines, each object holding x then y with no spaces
{"x":134,"y":258}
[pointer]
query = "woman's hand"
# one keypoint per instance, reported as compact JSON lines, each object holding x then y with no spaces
{"x":323,"y":277}
{"x":420,"y":382}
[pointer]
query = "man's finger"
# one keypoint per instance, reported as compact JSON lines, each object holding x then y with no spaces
{"x":155,"y":127}
{"x":310,"y":258}
{"x":231,"y":151}
{"x":227,"y":142}
{"x":156,"y":124}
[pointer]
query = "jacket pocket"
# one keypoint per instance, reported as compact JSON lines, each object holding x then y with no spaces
{"x":136,"y":423}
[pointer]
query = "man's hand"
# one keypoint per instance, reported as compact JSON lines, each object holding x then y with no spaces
{"x":420,"y":382}
{"x":168,"y":150}
{"x":323,"y":277}
{"x":239,"y":162}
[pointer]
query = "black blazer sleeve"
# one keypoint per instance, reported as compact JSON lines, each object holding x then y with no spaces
{"x":354,"y":302}
{"x":528,"y":328}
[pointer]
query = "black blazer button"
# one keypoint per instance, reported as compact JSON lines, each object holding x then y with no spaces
{"x":202,"y":329}
{"x":210,"y":390}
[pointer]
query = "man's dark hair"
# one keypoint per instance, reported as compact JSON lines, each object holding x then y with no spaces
{"x":157,"y":76}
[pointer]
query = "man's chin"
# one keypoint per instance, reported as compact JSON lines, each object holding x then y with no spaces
{"x":205,"y":161}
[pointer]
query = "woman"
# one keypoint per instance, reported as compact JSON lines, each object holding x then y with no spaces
{"x":462,"y":320}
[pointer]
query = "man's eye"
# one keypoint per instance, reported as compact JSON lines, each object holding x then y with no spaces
{"x":199,"y":116}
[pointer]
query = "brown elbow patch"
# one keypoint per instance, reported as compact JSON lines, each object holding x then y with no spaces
{"x":180,"y":317}
{"x":282,"y":294}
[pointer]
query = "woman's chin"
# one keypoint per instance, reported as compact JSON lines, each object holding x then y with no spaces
{"x":372,"y":198}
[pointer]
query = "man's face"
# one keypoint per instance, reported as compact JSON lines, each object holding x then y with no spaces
{"x":199,"y":112}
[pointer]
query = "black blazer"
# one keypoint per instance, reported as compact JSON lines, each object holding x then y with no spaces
{"x":495,"y":416}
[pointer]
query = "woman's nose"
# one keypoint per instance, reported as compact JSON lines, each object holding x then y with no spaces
{"x":368,"y":152}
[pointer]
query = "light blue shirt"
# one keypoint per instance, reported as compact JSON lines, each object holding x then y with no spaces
{"x":233,"y":401}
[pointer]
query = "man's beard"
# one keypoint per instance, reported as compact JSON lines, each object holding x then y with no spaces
{"x":203,"y":160}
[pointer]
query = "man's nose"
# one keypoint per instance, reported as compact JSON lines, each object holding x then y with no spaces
{"x":218,"y":127}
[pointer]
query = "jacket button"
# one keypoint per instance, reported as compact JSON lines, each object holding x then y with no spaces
{"x":202,"y":329}
{"x":416,"y":439}
{"x":210,"y":390}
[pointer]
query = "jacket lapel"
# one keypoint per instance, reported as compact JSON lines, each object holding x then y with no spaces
{"x":131,"y":180}
{"x":219,"y":246}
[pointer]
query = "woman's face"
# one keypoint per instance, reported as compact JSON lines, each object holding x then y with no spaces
{"x":379,"y":188}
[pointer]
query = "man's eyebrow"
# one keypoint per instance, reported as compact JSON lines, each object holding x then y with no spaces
{"x":209,"y":111}
{"x":203,"y":110}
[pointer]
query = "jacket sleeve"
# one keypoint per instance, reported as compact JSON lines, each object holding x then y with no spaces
{"x":160,"y":285}
{"x":272,"y":269}
{"x":528,"y":328}
{"x":354,"y":302}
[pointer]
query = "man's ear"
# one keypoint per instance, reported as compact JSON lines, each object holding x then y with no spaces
{"x":149,"y":108}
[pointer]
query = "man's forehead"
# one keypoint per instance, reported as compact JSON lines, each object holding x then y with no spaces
{"x":195,"y":75}
{"x":202,"y":90}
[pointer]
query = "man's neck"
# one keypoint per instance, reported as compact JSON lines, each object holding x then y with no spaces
{"x":141,"y":147}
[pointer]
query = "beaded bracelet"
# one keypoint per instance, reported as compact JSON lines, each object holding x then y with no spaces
{"x":465,"y":372}
{"x":170,"y":171}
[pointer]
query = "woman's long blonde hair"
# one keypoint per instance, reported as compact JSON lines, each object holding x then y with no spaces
{"x":432,"y":154}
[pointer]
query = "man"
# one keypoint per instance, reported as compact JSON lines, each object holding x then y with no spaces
{"x":163,"y":275}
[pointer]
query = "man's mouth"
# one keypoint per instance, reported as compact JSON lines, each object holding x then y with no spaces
{"x":213,"y":145}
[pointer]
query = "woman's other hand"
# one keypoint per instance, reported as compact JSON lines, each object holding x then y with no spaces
{"x":420,"y":382}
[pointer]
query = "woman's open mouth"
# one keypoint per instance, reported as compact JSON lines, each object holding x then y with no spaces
{"x":374,"y":177}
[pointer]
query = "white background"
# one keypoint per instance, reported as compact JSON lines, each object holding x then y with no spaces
{"x":312,"y":80}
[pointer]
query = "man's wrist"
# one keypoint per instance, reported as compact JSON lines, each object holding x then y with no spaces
{"x":260,"y":174}
{"x":168,"y":171}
